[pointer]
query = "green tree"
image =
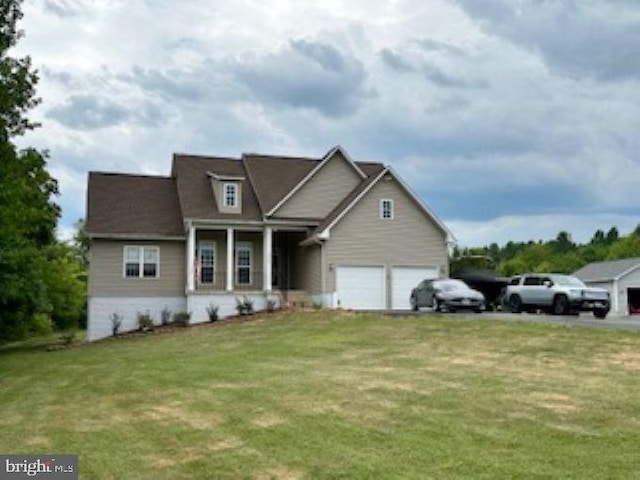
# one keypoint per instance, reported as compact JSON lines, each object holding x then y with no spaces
{"x":80,"y":242}
{"x":28,"y":215}
{"x":17,"y":79}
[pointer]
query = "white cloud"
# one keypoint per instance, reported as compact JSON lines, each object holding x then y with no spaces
{"x":485,"y":109}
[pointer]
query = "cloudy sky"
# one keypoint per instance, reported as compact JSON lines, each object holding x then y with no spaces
{"x":511,"y":119}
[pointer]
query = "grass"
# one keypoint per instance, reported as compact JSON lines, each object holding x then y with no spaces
{"x":324,"y":395}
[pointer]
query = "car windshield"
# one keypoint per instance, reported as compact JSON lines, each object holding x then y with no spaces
{"x":451,"y":285}
{"x":567,"y":280}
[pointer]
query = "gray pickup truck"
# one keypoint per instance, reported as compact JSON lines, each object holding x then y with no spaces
{"x":558,"y":294}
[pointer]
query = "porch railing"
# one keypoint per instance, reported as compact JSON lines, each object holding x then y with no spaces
{"x":243,"y":280}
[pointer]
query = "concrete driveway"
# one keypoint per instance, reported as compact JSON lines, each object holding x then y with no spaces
{"x":583,"y":320}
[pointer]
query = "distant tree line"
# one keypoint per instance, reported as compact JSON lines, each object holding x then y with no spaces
{"x":560,"y":255}
{"x":42,"y":280}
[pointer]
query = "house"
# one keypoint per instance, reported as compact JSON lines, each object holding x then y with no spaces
{"x":333,"y":231}
{"x":621,"y":278}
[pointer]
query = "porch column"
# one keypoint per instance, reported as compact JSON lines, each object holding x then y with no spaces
{"x":230,"y":249}
{"x":267,"y":247}
{"x":191,"y":259}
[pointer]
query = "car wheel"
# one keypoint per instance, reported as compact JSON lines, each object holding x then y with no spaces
{"x":560,"y":305}
{"x":600,"y":313}
{"x":414,"y":303}
{"x":515,"y":304}
{"x":435,"y":304}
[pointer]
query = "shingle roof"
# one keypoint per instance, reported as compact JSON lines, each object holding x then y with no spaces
{"x":196,"y":195}
{"x":274,"y":177}
{"x":121,"y":204}
{"x":610,"y":270}
{"x":130,"y":204}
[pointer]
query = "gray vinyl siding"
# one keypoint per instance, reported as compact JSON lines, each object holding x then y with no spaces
{"x":106,"y":277}
{"x":322,"y":193}
{"x":308,"y":271}
{"x":362,"y":238}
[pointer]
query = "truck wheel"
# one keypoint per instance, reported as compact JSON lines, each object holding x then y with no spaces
{"x":560,"y":305}
{"x":600,"y":313}
{"x":515,"y":303}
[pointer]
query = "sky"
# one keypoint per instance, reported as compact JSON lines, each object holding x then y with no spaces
{"x":511,"y":119}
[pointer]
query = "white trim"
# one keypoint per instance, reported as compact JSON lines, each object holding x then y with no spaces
{"x":310,"y":175}
{"x":212,"y":244}
{"x":136,"y":236}
{"x":230,"y":250}
{"x":267,"y":252}
{"x":221,"y":178}
{"x":191,"y":260}
{"x":234,"y":196}
{"x":382,"y":211}
{"x":141,"y":251}
{"x":252,"y":225}
{"x":246,"y":246}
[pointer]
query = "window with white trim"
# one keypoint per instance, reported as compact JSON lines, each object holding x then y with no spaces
{"x":244,"y":254}
{"x":207,"y":265}
{"x":141,"y":261}
{"x":386,"y":209}
{"x":230,"y":195}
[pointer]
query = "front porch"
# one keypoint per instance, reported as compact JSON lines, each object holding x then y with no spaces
{"x":225,"y":263}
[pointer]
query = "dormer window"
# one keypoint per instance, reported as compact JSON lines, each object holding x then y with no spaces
{"x":230,"y":192}
{"x":227,"y":190}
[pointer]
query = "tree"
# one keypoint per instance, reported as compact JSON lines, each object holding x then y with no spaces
{"x":28,"y":215}
{"x":17,"y":79}
{"x":612,"y":236}
{"x":80,"y":243}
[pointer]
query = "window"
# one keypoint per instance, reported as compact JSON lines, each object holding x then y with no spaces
{"x":141,"y":262}
{"x":386,"y":209}
{"x":230,"y":193}
{"x":207,"y":258}
{"x":243,"y":263}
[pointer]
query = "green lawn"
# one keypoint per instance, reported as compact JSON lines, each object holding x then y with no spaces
{"x":324,"y":395}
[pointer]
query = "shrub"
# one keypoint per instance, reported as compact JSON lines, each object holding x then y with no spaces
{"x":165,"y":316}
{"x":181,"y":319}
{"x":145,"y":322}
{"x":244,"y":306}
{"x":116,"y":323}
{"x":67,"y":338}
{"x":212,"y":311}
{"x":271,"y":306}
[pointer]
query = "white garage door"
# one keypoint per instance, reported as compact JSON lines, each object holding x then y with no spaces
{"x":405,"y":279}
{"x":361,"y":288}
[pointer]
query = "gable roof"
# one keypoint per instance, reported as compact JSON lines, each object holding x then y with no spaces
{"x":377,"y":172}
{"x":121,"y":204}
{"x":609,"y":270}
{"x":274,"y":177}
{"x":132,"y":205}
{"x":318,"y":166}
{"x":195,"y":194}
